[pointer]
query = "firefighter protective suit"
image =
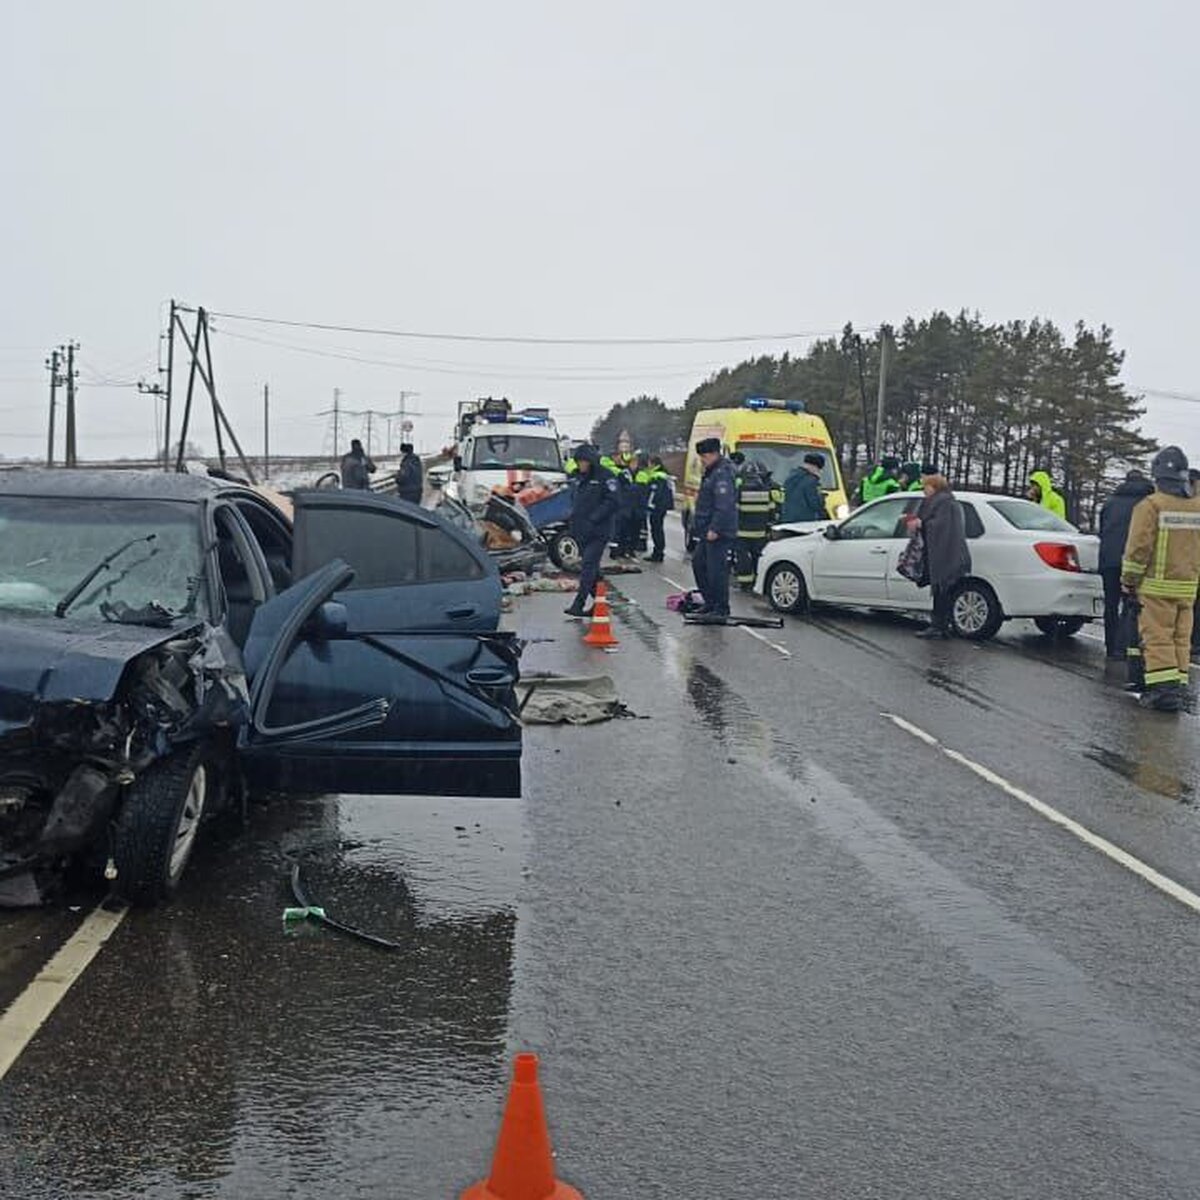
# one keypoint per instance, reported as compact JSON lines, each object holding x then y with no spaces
{"x":1162,"y":562}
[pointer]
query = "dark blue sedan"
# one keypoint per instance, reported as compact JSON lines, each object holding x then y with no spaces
{"x":169,"y":641}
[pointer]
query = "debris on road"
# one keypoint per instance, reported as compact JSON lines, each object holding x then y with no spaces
{"x":305,"y":910}
{"x":547,"y":699}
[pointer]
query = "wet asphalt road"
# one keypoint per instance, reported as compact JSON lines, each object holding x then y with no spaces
{"x":766,"y":943}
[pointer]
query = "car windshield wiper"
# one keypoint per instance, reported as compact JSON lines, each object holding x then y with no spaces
{"x":60,"y":609}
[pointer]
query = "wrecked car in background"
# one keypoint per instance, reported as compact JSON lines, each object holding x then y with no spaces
{"x":170,"y":642}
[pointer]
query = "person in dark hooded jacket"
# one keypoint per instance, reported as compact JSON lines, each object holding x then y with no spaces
{"x":595,"y":505}
{"x":947,"y":557}
{"x":1114,"y":529}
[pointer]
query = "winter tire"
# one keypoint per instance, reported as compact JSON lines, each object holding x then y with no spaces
{"x":975,"y":613}
{"x":785,"y":589}
{"x":565,"y":553}
{"x":1059,"y":627}
{"x":156,"y":827}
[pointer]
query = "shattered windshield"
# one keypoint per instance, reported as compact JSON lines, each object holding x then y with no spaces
{"x":504,"y":450}
{"x":48,"y":544}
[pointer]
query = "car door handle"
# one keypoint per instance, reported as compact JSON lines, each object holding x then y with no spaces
{"x":489,"y":677}
{"x":878,"y":550}
{"x":460,"y":614}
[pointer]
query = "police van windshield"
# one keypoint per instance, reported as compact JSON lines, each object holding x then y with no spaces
{"x":782,"y":458}
{"x":499,"y":451}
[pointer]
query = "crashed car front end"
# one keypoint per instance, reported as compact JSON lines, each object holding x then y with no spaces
{"x":84,"y":710}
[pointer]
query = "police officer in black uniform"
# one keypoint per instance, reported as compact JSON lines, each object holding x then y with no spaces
{"x":592,"y":513}
{"x":715,"y":525}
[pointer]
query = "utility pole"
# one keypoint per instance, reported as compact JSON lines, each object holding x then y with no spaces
{"x":403,"y":415}
{"x":170,"y":378}
{"x":52,"y":365}
{"x":71,"y":458}
{"x":369,"y":414}
{"x":266,"y":431}
{"x":885,"y":338}
{"x":335,"y":412}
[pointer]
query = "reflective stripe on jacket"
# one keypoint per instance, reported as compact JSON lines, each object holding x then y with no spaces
{"x":1162,"y":552}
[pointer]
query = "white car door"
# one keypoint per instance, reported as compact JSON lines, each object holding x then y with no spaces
{"x":903,"y":593}
{"x":850,"y":565}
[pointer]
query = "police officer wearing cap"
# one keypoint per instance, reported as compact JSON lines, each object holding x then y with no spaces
{"x":715,"y":525}
{"x":592,"y":513}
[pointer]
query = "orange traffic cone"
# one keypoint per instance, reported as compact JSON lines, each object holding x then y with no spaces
{"x":523,"y":1168}
{"x":600,"y":631}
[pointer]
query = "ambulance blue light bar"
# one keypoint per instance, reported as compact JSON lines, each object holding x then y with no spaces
{"x":764,"y":402}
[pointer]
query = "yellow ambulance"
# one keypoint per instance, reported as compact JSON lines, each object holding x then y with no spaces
{"x":777,"y":434}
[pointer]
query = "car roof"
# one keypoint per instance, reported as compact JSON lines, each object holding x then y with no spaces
{"x":113,"y":484}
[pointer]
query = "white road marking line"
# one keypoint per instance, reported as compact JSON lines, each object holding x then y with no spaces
{"x":30,"y":1010}
{"x":766,"y":641}
{"x":668,"y":579}
{"x":1131,"y":863}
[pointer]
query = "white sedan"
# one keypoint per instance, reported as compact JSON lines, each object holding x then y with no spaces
{"x":1026,"y":562}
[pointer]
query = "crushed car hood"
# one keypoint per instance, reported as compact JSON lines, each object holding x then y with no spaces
{"x":51,"y":661}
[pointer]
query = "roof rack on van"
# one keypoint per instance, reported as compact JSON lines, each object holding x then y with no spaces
{"x":792,"y":406}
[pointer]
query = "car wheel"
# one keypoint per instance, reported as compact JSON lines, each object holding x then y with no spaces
{"x":975,"y":613}
{"x":157,"y":825}
{"x":565,"y":553}
{"x":785,"y":589}
{"x":1060,"y":627}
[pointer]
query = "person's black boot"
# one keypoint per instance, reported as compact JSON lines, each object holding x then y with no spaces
{"x":575,"y":610}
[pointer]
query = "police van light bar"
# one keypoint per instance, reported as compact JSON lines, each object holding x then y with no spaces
{"x":763,"y":402}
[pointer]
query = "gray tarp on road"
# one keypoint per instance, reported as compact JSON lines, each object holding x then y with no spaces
{"x":568,"y":699}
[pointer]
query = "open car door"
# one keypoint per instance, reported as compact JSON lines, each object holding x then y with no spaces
{"x":428,"y":712}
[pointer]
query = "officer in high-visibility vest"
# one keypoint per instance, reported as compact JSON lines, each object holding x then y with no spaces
{"x":910,"y":477}
{"x":881,"y":480}
{"x":660,"y":500}
{"x":1161,"y":565}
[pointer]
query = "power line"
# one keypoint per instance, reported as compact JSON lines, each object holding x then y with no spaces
{"x":562,"y":376}
{"x":512,"y":340}
{"x":1160,"y":394}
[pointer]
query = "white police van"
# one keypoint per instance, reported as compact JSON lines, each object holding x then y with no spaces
{"x":502,"y":447}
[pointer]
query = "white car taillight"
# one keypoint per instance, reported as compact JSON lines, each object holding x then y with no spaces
{"x":1062,"y":556}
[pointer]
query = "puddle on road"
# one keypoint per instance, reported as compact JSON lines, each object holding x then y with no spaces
{"x":245,"y":1062}
{"x":1145,"y":775}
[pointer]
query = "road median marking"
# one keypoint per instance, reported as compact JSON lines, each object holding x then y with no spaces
{"x":1130,"y":862}
{"x":30,"y":1010}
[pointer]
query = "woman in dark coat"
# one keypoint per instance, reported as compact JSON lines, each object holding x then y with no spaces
{"x":947,"y":557}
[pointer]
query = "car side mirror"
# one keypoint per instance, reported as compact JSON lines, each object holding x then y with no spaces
{"x":458,"y":462}
{"x":831,"y":532}
{"x":330,"y":622}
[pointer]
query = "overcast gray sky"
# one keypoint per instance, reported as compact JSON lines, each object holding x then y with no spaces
{"x":546,"y":169}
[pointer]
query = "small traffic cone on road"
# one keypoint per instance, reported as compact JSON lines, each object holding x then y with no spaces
{"x":600,"y":631}
{"x":523,"y":1166}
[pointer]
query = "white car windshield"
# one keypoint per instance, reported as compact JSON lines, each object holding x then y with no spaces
{"x":48,"y":544}
{"x":500,"y":451}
